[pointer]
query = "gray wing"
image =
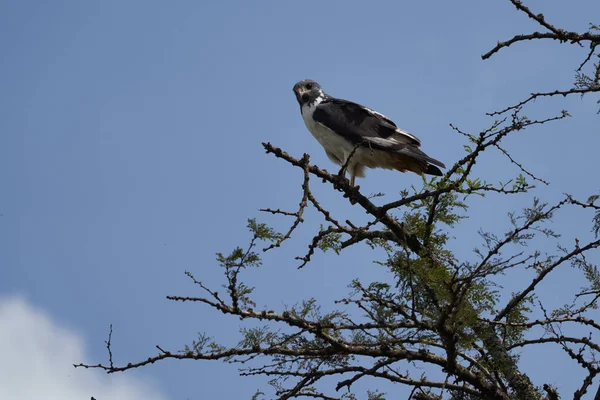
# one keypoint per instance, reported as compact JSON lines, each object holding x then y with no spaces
{"x":358,"y":123}
{"x":368,"y":128}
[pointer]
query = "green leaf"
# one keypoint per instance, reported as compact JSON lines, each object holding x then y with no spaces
{"x":263,"y":231}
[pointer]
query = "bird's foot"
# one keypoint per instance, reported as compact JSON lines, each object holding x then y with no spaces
{"x":350,"y":197}
{"x":339,"y":180}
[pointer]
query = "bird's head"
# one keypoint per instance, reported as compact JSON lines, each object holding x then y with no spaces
{"x":307,"y":91}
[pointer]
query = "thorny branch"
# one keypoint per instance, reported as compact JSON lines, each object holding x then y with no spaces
{"x":554,"y":34}
{"x":584,"y":83}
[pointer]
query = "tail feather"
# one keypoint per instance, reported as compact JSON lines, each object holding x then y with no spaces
{"x":432,"y":170}
{"x":417,"y":163}
{"x":421,"y":156}
{"x":435,"y":162}
{"x":426,"y":164}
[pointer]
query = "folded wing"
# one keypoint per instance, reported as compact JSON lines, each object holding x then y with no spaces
{"x":361,"y":125}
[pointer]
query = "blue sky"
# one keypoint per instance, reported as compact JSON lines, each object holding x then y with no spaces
{"x":130,"y":150}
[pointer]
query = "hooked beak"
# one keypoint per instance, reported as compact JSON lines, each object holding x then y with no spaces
{"x":300,"y":90}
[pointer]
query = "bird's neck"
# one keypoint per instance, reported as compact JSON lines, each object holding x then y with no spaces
{"x":317,"y":99}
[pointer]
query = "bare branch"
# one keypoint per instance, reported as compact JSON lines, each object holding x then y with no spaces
{"x":541,"y":275}
{"x":534,"y":96}
{"x":520,"y":166}
{"x":298,"y":214}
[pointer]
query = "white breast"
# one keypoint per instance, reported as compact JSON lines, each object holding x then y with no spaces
{"x":331,"y":141}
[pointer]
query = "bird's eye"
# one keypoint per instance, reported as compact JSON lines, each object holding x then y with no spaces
{"x":309,"y":86}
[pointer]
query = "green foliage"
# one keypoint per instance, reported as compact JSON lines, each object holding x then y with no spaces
{"x":590,"y":272}
{"x":257,"y":337}
{"x":262,"y":231}
{"x":240,"y":259}
{"x":482,"y":296}
{"x":203,"y":344}
{"x":512,"y":334}
{"x":375,"y":395}
{"x":306,"y":309}
{"x":331,"y":241}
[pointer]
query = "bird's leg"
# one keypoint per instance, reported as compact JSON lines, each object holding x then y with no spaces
{"x":342,"y":174}
{"x":352,"y":177}
{"x":346,"y":165}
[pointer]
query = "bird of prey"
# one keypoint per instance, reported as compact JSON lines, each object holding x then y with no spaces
{"x":356,"y":137}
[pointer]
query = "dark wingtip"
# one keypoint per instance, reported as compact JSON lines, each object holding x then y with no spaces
{"x":433,"y":170}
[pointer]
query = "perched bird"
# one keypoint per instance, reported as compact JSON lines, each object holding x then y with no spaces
{"x":358,"y":137}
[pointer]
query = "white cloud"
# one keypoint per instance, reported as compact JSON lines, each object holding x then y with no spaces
{"x":36,"y":357}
